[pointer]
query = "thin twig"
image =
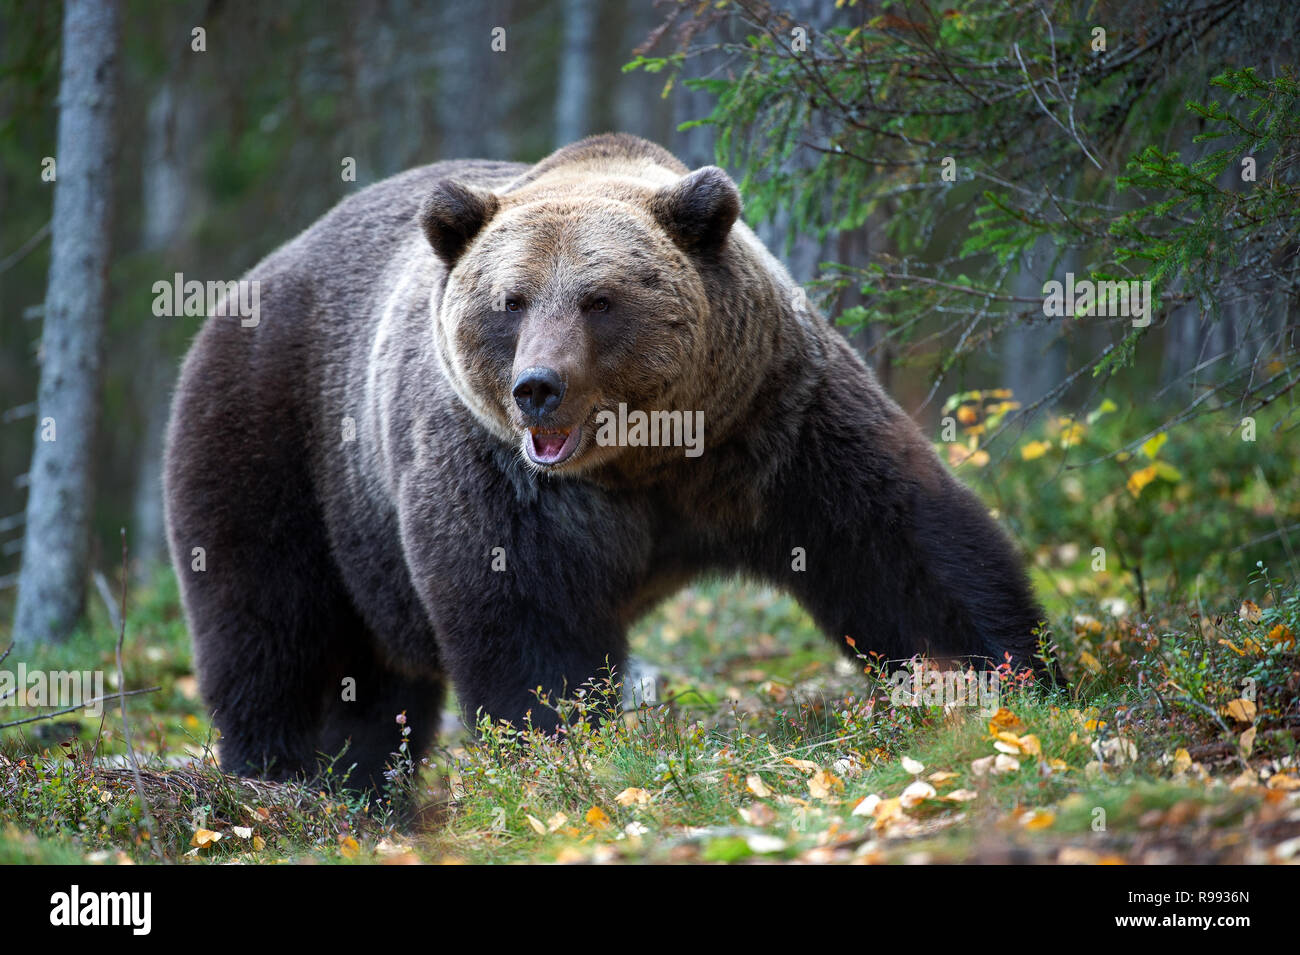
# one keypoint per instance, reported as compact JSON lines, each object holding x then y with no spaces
{"x":1050,"y":115}
{"x":106,"y":595}
{"x":23,"y":250}
{"x":84,"y":704}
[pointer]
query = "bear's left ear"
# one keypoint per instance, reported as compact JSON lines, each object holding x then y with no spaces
{"x":698,"y":211}
{"x":452,"y":215}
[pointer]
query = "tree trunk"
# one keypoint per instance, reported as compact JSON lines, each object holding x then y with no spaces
{"x":52,"y":582}
{"x":1034,"y":355}
{"x":573,"y":99}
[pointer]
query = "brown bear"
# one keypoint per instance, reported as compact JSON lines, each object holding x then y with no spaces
{"x":490,"y":413}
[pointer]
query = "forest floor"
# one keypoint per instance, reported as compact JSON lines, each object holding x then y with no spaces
{"x":1176,"y":742}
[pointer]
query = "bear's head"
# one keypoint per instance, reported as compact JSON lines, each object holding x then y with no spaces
{"x":572,"y":295}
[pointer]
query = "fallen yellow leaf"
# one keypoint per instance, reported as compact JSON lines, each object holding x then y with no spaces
{"x":1246,"y":742}
{"x":203,"y":838}
{"x":1246,"y":780}
{"x":759,"y":814}
{"x":1241,"y":710}
{"x":1038,"y":819}
{"x":1004,"y":721}
{"x":915,"y":794}
{"x":887,"y":810}
{"x":633,"y":797}
{"x":1005,"y":764}
{"x":822,"y":784}
{"x":866,"y":806}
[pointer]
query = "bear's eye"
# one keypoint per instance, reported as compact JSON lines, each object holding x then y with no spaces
{"x":514,"y":305}
{"x":599,"y":304}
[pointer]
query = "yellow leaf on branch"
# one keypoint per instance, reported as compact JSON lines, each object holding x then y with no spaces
{"x":1034,"y":449}
{"x":1141,"y":478}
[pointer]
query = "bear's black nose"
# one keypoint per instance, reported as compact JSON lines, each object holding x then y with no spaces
{"x":538,"y":391}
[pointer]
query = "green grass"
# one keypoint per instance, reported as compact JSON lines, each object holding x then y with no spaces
{"x":766,"y":744}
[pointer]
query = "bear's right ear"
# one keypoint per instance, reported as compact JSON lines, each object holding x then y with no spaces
{"x":452,"y":215}
{"x":698,"y":211}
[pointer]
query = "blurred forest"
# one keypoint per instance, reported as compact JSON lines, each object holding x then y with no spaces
{"x":224,"y":153}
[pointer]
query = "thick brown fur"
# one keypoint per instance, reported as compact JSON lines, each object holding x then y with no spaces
{"x":430,"y":546}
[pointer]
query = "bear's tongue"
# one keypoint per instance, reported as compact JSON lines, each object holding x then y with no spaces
{"x":548,"y":445}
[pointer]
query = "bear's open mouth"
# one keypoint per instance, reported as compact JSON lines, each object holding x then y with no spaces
{"x":551,"y":446}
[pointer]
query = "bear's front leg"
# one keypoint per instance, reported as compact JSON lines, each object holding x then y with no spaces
{"x":882,"y":544}
{"x":523,"y":589}
{"x":507,"y":663}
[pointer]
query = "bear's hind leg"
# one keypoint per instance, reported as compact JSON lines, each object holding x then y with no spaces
{"x":264,"y":606}
{"x":263,"y":690}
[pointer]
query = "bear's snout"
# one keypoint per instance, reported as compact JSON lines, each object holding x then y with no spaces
{"x":538,"y":392}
